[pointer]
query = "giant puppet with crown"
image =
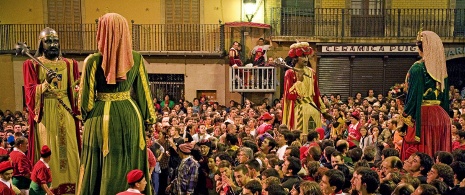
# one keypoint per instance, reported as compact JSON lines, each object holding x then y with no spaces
{"x":302,"y":100}
{"x":51,"y":101}
{"x":427,"y":100}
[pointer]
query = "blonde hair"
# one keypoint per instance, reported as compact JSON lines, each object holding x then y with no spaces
{"x":310,"y":188}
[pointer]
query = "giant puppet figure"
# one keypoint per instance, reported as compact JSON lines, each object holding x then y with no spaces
{"x":50,"y":99}
{"x":114,"y":137}
{"x":301,"y":92}
{"x":427,"y":100}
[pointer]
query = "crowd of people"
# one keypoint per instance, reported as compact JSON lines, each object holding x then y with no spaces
{"x":246,"y":148}
{"x":304,"y":143}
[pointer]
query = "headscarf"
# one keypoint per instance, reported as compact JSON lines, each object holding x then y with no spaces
{"x":433,"y":55}
{"x":114,"y":43}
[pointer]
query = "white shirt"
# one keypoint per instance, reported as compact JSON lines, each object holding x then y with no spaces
{"x":16,"y":149}
{"x":46,"y":164}
{"x":7,"y":183}
{"x":133,"y":190}
{"x":197,"y":137}
{"x":280,"y":152}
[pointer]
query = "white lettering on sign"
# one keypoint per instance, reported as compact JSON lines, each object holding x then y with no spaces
{"x":369,"y":48}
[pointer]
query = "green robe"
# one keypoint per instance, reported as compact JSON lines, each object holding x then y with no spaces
{"x":421,"y":86}
{"x":114,"y":138}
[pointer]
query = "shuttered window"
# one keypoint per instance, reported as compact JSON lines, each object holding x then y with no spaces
{"x":182,"y":20}
{"x":182,"y":11}
{"x":64,"y":11}
{"x":334,"y":76}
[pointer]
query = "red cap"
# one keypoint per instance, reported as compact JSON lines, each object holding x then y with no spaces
{"x":5,"y":166}
{"x":45,"y":150}
{"x":259,"y":50}
{"x":356,"y":115}
{"x":266,"y":116}
{"x":321,"y":131}
{"x":134,"y":176}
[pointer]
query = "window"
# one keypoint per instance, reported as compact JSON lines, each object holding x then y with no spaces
{"x":367,"y":7}
{"x":171,"y":84}
{"x":182,"y":19}
{"x":367,"y":18}
{"x":64,"y":11}
{"x":182,"y":11}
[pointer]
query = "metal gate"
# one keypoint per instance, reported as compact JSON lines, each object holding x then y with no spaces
{"x":171,"y":84}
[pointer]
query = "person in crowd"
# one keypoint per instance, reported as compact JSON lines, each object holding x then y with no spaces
{"x":252,"y":187}
{"x":291,"y":167}
{"x":187,"y":173}
{"x":41,"y":176}
{"x":442,"y":172}
{"x":22,"y":166}
{"x":332,"y":182}
{"x":310,"y":188}
{"x":425,"y":189}
{"x":365,"y":181}
{"x":113,"y":121}
{"x":6,"y":172}
{"x":136,"y":181}
{"x":56,"y":116}
{"x":418,"y":165}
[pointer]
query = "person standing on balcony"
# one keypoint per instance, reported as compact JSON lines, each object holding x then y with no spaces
{"x":301,"y":90}
{"x":234,"y":58}
{"x":261,"y":45}
{"x":427,"y":102}
{"x":114,"y":138}
{"x":258,"y":75}
{"x":51,"y":98}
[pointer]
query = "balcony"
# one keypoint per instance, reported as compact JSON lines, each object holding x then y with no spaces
{"x":252,"y":79}
{"x":324,"y":23}
{"x":149,"y":39}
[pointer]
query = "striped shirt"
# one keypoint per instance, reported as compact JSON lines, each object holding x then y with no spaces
{"x":186,"y":180}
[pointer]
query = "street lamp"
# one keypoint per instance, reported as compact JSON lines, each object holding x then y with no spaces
{"x":249,"y":8}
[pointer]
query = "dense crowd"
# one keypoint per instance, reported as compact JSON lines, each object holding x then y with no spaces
{"x":244,"y":148}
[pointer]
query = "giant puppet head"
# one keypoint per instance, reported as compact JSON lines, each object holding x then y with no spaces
{"x":49,"y":44}
{"x":300,"y":53}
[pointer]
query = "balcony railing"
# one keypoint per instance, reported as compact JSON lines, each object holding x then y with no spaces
{"x":252,"y":79}
{"x":334,"y":22}
{"x":151,"y":39}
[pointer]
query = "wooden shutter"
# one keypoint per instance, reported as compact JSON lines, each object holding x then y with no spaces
{"x":183,"y":27}
{"x":64,"y":12}
{"x":182,"y":11}
{"x":334,"y":76}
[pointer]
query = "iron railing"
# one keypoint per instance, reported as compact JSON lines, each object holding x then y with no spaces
{"x":177,"y":37}
{"x":252,"y":79}
{"x":149,"y":38}
{"x":335,"y":22}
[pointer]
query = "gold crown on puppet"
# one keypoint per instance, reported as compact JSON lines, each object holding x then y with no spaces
{"x":300,"y":49}
{"x":48,"y":32}
{"x":419,"y":36}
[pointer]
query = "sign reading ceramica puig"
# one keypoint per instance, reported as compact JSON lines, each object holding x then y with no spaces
{"x":369,"y":48}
